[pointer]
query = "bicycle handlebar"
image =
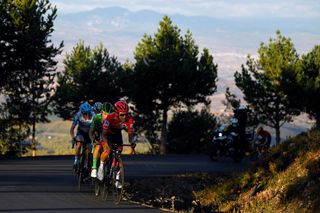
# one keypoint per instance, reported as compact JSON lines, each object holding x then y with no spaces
{"x":132,"y":149}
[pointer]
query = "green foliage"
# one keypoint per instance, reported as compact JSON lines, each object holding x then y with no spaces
{"x":13,"y":132}
{"x":231,"y":101}
{"x":190,"y":132}
{"x":6,"y":37}
{"x":308,"y":80}
{"x":265,"y":75}
{"x":89,"y":74}
{"x":169,"y":73}
{"x":28,"y":67}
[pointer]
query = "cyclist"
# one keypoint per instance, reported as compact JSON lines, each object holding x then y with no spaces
{"x":265,"y":138}
{"x":83,"y":120}
{"x":101,"y":112}
{"x":119,"y":120}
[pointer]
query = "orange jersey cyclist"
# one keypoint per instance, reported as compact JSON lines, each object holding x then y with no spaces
{"x":119,"y":120}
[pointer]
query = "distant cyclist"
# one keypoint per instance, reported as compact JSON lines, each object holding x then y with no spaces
{"x":83,"y":120}
{"x":101,"y":112}
{"x":264,"y":138}
{"x":119,"y":120}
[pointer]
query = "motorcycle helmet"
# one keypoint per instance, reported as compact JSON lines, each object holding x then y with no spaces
{"x":234,"y":122}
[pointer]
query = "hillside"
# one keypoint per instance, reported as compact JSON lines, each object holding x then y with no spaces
{"x":286,"y":180}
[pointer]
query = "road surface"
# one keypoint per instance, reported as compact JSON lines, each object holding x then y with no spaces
{"x":47,"y":184}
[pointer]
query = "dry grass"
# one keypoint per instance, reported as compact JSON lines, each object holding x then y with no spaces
{"x":286,"y":180}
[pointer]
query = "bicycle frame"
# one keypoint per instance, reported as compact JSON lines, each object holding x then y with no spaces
{"x":112,"y":168}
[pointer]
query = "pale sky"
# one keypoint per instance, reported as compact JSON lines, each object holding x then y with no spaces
{"x":213,"y":8}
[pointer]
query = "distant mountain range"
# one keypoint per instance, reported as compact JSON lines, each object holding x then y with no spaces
{"x":229,"y":39}
{"x":120,"y":30}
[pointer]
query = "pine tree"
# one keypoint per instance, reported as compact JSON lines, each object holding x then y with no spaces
{"x":261,"y":82}
{"x":89,"y":74}
{"x":32,"y":66}
{"x":169,"y":73}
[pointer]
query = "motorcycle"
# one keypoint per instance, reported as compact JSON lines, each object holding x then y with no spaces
{"x":224,"y":143}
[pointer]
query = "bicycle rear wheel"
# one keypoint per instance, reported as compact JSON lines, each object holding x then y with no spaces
{"x":117,"y":182}
{"x":80,"y":180}
{"x":98,"y":187}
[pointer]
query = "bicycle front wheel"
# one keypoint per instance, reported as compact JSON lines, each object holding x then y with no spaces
{"x":117,"y":182}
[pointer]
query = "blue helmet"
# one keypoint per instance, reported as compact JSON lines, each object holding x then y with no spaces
{"x":97,"y":106}
{"x":85,"y":107}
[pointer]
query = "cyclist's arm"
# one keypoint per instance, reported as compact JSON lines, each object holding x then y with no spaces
{"x":91,"y":133}
{"x":72,"y":130}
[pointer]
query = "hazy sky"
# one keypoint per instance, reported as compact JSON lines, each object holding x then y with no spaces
{"x":213,"y":8}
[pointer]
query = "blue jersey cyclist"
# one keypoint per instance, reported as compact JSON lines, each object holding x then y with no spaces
{"x":83,"y":120}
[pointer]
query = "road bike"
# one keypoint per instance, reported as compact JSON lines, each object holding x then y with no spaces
{"x":113,"y":183}
{"x":82,"y":173}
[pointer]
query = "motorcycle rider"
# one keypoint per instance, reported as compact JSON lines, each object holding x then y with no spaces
{"x":233,"y":130}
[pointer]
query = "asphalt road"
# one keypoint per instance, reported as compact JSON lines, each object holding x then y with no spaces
{"x":47,"y":184}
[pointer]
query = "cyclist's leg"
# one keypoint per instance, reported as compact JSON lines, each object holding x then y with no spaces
{"x":104,"y":155}
{"x":87,"y":146}
{"x":96,"y":156}
{"x":119,"y":167}
{"x":79,"y":144}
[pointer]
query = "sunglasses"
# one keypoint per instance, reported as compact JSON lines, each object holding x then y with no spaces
{"x":122,"y":114}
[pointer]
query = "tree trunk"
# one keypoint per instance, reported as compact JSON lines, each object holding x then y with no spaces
{"x":33,"y":145}
{"x":317,"y":117}
{"x":278,"y":139}
{"x":277,"y":120}
{"x":163,"y":137}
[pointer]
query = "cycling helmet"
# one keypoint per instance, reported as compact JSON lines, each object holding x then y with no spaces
{"x":97,"y":106}
{"x":107,"y":107}
{"x":85,"y":107}
{"x":121,"y":106}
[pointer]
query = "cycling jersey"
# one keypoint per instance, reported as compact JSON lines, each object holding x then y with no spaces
{"x":112,"y":125}
{"x":97,"y":123}
{"x":83,"y":124}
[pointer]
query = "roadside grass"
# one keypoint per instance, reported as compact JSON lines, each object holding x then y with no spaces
{"x":285,"y":180}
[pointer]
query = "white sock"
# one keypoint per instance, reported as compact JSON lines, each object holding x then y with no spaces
{"x":101,"y":163}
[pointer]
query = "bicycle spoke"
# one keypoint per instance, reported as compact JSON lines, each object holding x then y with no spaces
{"x":118,"y":183}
